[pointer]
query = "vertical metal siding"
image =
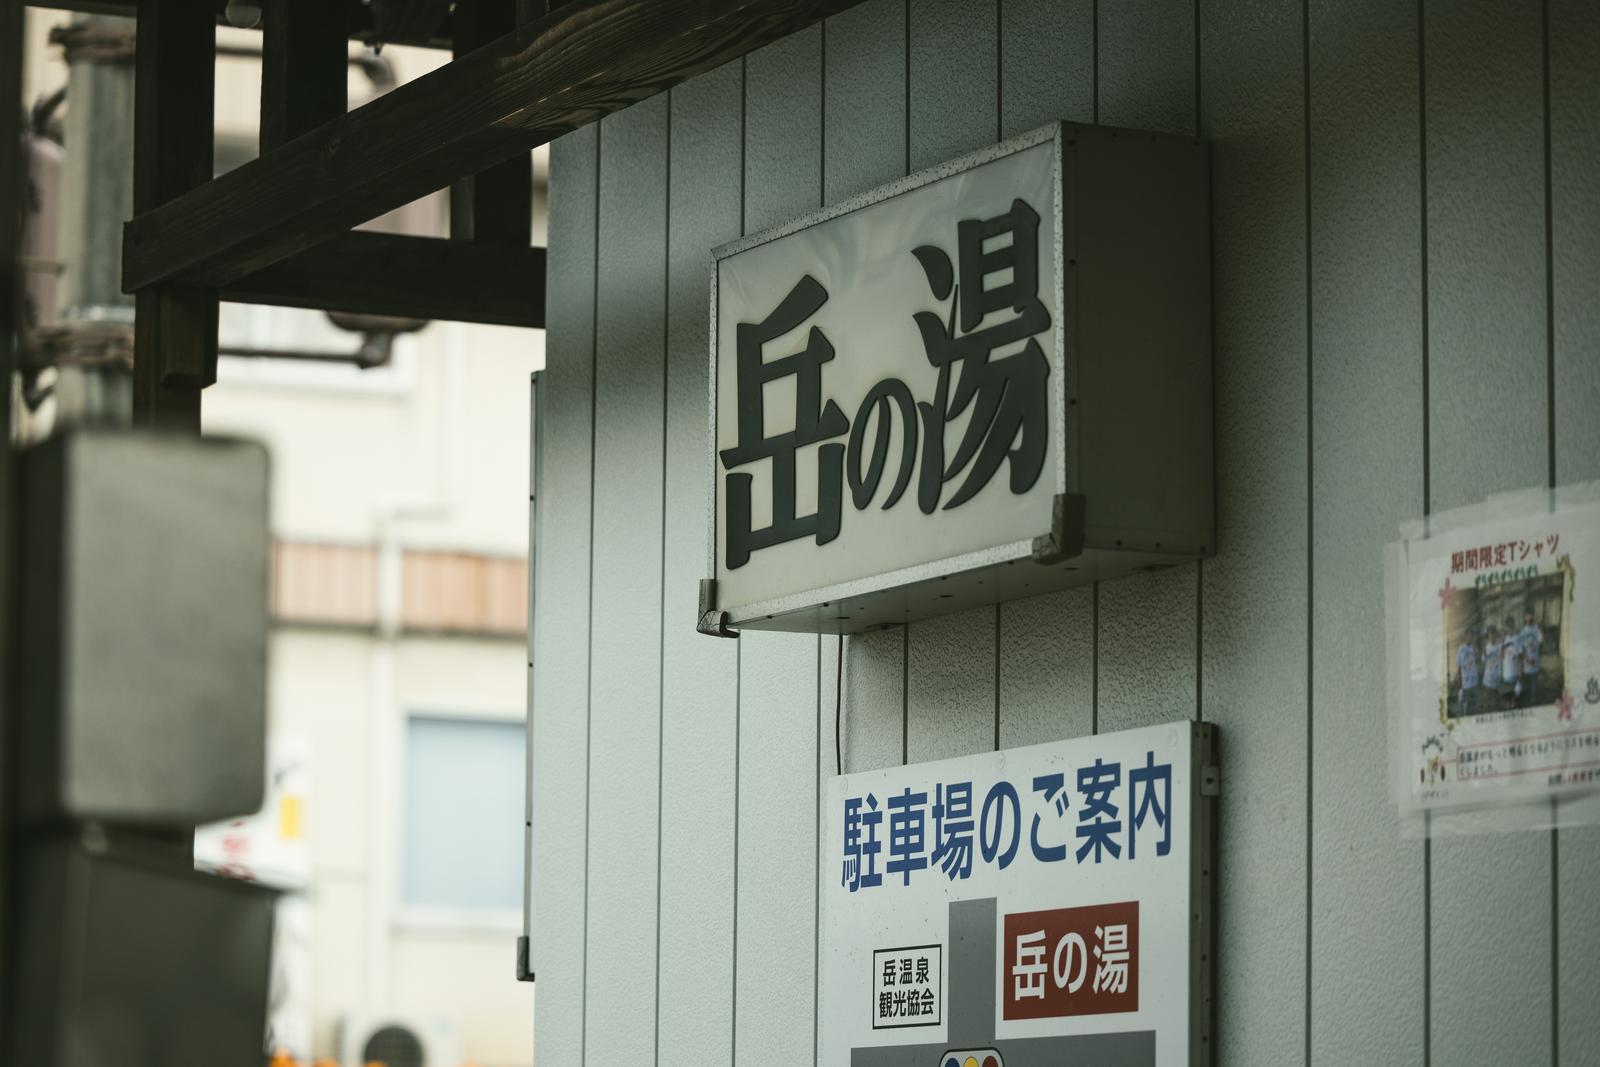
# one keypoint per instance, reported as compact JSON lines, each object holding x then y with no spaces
{"x":700,"y":681}
{"x":864,"y":145}
{"x":1489,"y":897}
{"x":864,"y":99}
{"x":1367,"y":472}
{"x":1383,"y":342}
{"x":954,"y":95}
{"x":624,"y":689}
{"x":1047,"y":643}
{"x":1253,"y":599}
{"x":1046,"y":63}
{"x":561,"y":616}
{"x":1574,"y":131}
{"x":778,"y":710}
{"x":1047,"y":668}
{"x":1146,"y":660}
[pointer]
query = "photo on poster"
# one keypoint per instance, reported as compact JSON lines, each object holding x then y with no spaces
{"x":1506,"y":642}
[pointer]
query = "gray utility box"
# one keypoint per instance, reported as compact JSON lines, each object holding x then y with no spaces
{"x":144,"y":628}
{"x":130,"y":957}
{"x":985,"y":381}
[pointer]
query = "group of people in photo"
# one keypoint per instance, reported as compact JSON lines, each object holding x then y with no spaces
{"x":1497,"y":667}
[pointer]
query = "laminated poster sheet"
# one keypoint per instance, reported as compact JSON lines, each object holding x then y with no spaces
{"x":1494,"y":639}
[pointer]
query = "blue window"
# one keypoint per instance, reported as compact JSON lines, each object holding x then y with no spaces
{"x":463,"y":814}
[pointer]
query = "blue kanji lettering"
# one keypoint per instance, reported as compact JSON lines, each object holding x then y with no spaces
{"x":1146,"y":804}
{"x":952,"y":829}
{"x":1053,"y":786}
{"x":906,"y":844}
{"x":861,"y":855}
{"x":1097,"y":819}
{"x":991,"y":832}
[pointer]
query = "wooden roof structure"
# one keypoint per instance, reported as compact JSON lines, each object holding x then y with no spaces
{"x":279,"y":229}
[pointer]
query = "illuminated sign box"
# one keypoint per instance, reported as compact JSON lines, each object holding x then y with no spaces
{"x":984,"y":381}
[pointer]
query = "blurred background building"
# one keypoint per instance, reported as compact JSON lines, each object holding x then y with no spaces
{"x":399,"y":588}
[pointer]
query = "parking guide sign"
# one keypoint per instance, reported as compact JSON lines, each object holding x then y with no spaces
{"x":1025,"y":908}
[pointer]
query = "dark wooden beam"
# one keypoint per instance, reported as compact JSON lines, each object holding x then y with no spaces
{"x":11,"y":187}
{"x":357,"y":19}
{"x":494,"y":205}
{"x":395,"y":20}
{"x":564,"y":71}
{"x":418,"y":277}
{"x":304,"y":61}
{"x":175,"y":333}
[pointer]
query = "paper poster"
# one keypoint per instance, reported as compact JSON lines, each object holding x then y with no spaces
{"x":1497,"y":690}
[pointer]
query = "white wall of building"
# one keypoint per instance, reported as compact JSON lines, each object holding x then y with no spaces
{"x":370,"y":955}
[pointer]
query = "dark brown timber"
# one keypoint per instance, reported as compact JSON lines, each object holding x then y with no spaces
{"x":175,"y":335}
{"x":561,"y":72}
{"x":303,"y":68}
{"x":419,"y":277}
{"x":495,"y":205}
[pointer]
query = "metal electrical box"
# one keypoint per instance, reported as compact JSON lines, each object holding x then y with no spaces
{"x":131,"y":959}
{"x":984,"y":381}
{"x":144,"y":628}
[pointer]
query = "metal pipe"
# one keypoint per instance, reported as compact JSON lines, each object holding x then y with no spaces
{"x":376,"y":350}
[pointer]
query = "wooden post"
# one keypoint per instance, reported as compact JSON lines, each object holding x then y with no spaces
{"x":495,"y":205}
{"x":10,"y":283}
{"x":175,"y":335}
{"x":304,"y":61}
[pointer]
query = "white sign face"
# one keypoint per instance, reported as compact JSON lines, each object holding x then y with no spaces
{"x":1028,"y":908}
{"x":888,"y":385}
{"x":1499,"y":658}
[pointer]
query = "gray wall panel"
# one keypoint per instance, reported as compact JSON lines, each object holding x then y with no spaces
{"x":1575,"y":216}
{"x":1147,"y":654}
{"x":1367,"y":430}
{"x":864,"y":145}
{"x":783,"y":131}
{"x":700,"y":682}
{"x":874,"y":699}
{"x":1046,"y":63}
{"x":1046,"y":643}
{"x":953,"y":88}
{"x":561,"y":625}
{"x":1147,"y":636}
{"x":1147,"y":64}
{"x":1488,"y":433}
{"x":830,"y":757}
{"x":775,"y":937}
{"x":950,"y":685}
{"x":778,"y":672}
{"x":1254,"y":599}
{"x":950,"y":669}
{"x":1047,"y":668}
{"x":1325,"y":444}
{"x":625,"y":671}
{"x":864,"y":97}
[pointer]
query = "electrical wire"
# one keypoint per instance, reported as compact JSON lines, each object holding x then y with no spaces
{"x":838,"y":709}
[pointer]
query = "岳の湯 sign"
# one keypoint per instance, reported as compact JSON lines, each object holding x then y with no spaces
{"x":986,"y":380}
